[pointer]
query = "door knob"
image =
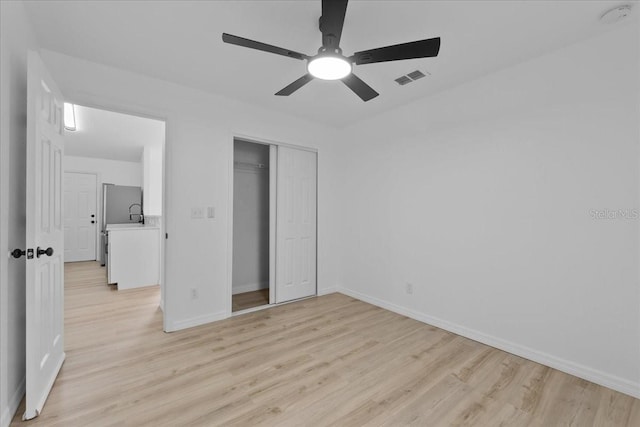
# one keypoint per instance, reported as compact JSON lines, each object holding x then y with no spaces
{"x":47,"y":252}
{"x":17,"y":253}
{"x":93,"y":222}
{"x":93,"y":216}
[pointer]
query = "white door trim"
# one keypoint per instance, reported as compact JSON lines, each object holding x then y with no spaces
{"x":273,"y":194}
{"x":228,"y":311}
{"x":264,"y":141}
{"x":139,"y":111}
{"x":4,"y":265}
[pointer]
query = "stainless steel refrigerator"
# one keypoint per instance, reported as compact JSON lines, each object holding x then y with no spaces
{"x":120,"y":205}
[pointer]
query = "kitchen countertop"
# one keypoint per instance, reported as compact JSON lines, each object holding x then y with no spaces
{"x":130,"y":227}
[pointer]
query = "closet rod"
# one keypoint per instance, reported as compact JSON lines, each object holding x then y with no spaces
{"x":251,"y":165}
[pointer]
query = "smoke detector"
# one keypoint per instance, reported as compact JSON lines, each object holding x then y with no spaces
{"x":616,"y":14}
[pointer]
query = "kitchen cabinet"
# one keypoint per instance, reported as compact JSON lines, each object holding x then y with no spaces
{"x":133,"y":256}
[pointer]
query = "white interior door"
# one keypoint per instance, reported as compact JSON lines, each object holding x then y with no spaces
{"x":79,"y":216}
{"x":296,"y":224}
{"x":44,"y":265}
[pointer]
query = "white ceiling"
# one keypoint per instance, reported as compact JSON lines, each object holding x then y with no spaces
{"x":180,"y":41}
{"x":107,"y":135}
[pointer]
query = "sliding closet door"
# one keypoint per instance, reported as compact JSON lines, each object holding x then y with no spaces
{"x":296,"y":224}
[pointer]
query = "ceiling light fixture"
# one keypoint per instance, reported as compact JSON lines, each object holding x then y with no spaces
{"x":70,"y":117}
{"x":329,"y":66}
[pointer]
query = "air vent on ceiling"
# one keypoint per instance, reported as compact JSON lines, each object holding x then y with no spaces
{"x":415,"y":75}
{"x":408,"y":78}
{"x":403,"y":80}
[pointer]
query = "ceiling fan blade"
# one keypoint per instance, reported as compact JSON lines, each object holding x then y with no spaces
{"x":363,"y":90}
{"x":295,"y":85}
{"x":332,"y":21}
{"x":252,"y":44}
{"x":418,"y":49}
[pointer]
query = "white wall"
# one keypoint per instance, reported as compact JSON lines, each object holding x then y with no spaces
{"x":199,"y":148}
{"x":152,"y":172}
{"x":481,"y":197}
{"x":16,"y":37}
{"x":111,"y":171}
{"x":250,"y":218}
{"x":107,"y":171}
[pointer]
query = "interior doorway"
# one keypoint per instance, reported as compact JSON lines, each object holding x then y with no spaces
{"x":48,"y":305}
{"x":251,"y":225}
{"x":113,"y":195}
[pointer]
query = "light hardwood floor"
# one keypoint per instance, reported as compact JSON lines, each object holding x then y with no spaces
{"x":330,"y":360}
{"x":247,"y":300}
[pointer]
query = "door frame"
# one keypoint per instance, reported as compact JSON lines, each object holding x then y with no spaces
{"x":4,"y":264}
{"x":97,"y":209}
{"x":131,"y":110}
{"x":273,"y":159}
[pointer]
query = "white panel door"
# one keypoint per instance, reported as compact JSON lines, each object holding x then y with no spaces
{"x":296,"y":224}
{"x":44,"y":265}
{"x":79,"y":216}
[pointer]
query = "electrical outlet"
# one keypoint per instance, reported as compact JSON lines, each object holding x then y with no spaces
{"x":408,"y":288}
{"x":197,"y":213}
{"x":194,"y":293}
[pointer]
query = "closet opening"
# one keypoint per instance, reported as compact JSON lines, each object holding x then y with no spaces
{"x":252,"y":225}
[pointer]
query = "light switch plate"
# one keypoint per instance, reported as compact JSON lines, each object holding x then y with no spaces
{"x":211,"y":212}
{"x":197,"y":213}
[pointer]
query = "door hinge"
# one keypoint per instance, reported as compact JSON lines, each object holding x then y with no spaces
{"x":166,"y":235}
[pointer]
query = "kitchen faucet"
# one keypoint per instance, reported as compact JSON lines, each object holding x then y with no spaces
{"x":140,"y":215}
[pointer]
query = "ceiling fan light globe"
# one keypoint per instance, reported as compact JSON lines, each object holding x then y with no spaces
{"x":329,"y":67}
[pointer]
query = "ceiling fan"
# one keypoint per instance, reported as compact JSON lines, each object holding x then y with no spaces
{"x":330,"y":64}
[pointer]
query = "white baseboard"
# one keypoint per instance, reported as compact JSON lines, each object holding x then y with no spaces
{"x":249,"y":287}
{"x":327,"y":291}
{"x":177,"y":325}
{"x":12,"y":405}
{"x":602,"y":378}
